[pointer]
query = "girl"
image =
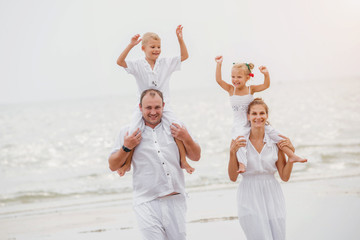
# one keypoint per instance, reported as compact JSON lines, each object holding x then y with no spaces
{"x":240,"y":97}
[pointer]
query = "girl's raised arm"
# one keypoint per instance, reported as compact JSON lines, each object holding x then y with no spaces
{"x":227,"y":87}
{"x":265,"y":85}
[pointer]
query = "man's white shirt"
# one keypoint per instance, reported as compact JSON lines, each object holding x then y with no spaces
{"x":155,"y":164}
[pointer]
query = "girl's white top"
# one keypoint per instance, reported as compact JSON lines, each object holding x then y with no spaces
{"x":157,"y":78}
{"x":239,"y":105}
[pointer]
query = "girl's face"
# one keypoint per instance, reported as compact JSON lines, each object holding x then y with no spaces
{"x":257,"y":116}
{"x":152,"y":49}
{"x":239,"y":78}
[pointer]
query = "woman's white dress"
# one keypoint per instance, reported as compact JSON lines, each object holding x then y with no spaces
{"x":261,"y":204}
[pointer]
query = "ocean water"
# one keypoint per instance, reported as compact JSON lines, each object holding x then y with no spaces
{"x":58,"y":150}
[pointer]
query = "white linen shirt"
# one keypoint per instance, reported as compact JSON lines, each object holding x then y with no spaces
{"x":155,"y":164}
{"x":157,"y":78}
{"x":263,"y":162}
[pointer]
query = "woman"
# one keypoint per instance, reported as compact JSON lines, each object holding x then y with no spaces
{"x":261,"y":204}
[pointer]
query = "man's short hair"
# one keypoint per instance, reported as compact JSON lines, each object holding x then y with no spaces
{"x":152,"y":93}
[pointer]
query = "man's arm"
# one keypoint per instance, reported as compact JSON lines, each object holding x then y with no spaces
{"x":121,"y":59}
{"x":183,"y":50}
{"x":193,"y":150}
{"x":117,"y":159}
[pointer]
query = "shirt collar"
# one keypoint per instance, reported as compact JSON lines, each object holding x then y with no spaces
{"x":148,"y":67}
{"x":160,"y":125}
{"x":266,"y":139}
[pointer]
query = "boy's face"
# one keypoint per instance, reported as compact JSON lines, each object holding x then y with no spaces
{"x":152,"y":49}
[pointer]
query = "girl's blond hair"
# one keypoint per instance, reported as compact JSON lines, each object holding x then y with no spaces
{"x":247,"y":67}
{"x":147,"y":36}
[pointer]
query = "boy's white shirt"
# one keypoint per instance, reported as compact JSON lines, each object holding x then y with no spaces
{"x":157,"y":78}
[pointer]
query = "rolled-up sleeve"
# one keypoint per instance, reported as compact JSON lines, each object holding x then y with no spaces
{"x":119,"y":140}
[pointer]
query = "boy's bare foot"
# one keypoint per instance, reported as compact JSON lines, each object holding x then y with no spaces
{"x":185,"y":165}
{"x":295,"y":158}
{"x":121,"y":171}
{"x":241,"y":168}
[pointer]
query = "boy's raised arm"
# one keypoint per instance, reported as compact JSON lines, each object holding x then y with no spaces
{"x":183,"y":50}
{"x":121,"y":59}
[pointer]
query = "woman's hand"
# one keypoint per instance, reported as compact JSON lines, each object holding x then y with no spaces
{"x":285,"y":143}
{"x":237,"y":143}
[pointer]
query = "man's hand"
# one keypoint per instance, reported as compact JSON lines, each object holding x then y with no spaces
{"x":133,"y":140}
{"x":179,"y":132}
{"x":135,"y":40}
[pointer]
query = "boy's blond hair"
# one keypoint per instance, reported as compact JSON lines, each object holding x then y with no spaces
{"x":149,"y":35}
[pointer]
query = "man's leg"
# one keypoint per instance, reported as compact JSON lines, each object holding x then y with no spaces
{"x":148,"y":216}
{"x":174,"y":216}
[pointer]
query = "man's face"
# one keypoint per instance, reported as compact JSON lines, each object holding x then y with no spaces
{"x":152,"y":109}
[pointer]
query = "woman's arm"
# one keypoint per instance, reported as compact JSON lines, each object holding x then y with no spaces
{"x":284,"y":167}
{"x":233,"y":162}
{"x":227,"y":87}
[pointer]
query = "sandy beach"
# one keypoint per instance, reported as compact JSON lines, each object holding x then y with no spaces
{"x":317,"y":209}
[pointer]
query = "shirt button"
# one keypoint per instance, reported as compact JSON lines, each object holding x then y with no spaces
{"x":155,"y":141}
{"x":168,"y":174}
{"x":163,"y":163}
{"x":158,"y":151}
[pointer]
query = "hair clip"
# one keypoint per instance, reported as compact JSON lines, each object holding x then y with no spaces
{"x":251,"y":74}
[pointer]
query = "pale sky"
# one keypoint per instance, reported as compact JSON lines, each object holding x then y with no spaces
{"x":63,"y":49}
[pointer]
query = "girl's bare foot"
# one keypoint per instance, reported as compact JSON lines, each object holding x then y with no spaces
{"x":295,"y":158}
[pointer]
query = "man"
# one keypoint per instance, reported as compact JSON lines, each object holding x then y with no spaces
{"x":158,"y":180}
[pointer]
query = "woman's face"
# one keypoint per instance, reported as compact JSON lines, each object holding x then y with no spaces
{"x":257,"y":116}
